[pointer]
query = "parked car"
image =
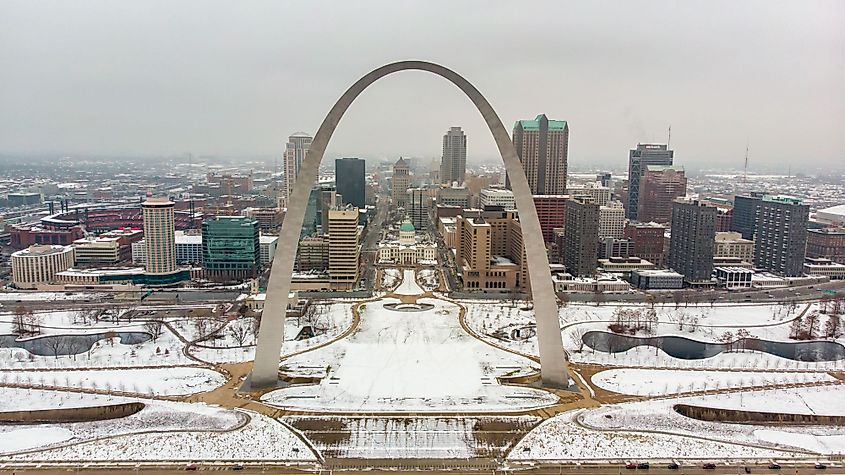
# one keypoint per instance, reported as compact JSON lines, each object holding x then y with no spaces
{"x":673,"y":466}
{"x":709,"y":466}
{"x":747,"y":469}
{"x":642,"y":465}
{"x":820,"y":466}
{"x":238,"y":466}
{"x":191,"y":467}
{"x":631,"y":466}
{"x":774,"y":466}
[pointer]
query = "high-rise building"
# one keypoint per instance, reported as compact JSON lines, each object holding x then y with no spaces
{"x":453,"y":197}
{"x":39,"y":264}
{"x":231,"y":248}
{"x":612,"y":220}
{"x":648,"y":240}
{"x":780,"y":241}
{"x":551,"y":211}
{"x":350,"y":181}
{"x":453,"y":164}
{"x":497,"y":197}
{"x":581,"y":237}
{"x":489,"y":252}
{"x":692,"y":242}
{"x":418,"y":206}
{"x":596,"y":191}
{"x":645,"y":154}
{"x":543,"y":148}
{"x":744,"y":217}
{"x":401,"y":182}
{"x":344,"y":247}
{"x":159,"y":236}
{"x":659,"y":187}
{"x":295,"y":151}
{"x":605,"y":178}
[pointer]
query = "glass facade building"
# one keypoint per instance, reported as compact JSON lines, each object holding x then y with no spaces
{"x":231,"y":248}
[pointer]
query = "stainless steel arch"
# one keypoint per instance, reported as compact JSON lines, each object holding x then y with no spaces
{"x":270,"y":338}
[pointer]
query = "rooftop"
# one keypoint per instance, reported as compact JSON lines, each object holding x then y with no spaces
{"x":535,"y":124}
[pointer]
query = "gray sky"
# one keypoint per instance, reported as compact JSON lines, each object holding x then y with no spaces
{"x":236,"y":78}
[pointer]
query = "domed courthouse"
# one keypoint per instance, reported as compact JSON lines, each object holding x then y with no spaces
{"x":407,"y":251}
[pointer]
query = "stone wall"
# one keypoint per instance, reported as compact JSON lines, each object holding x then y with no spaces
{"x":736,"y":416}
{"x":73,"y":414}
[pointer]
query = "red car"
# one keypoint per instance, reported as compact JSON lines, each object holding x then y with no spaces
{"x":631,"y":466}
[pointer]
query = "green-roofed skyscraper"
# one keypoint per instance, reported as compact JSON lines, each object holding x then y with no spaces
{"x":543,"y":148}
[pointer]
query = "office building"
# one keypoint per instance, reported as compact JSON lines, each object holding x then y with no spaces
{"x":648,"y":241}
{"x":543,"y":148}
{"x":638,"y":159}
{"x":595,"y":191}
{"x":312,"y":255}
{"x":659,"y":187}
{"x":418,"y":206}
{"x":188,"y":249}
{"x":827,"y":243}
{"x":453,"y":163}
{"x":350,"y":181}
{"x":496,"y":197}
{"x":612,"y":220}
{"x":231,"y":249}
{"x":159,"y":236}
{"x":344,"y":247}
{"x":610,"y":247}
{"x":780,"y":241}
{"x":551,"y":211}
{"x":732,"y":244}
{"x":458,"y":197}
{"x":39,"y":264}
{"x":269,"y":219}
{"x":692,"y":241}
{"x":744,"y":215}
{"x":581,"y":236}
{"x":295,"y":150}
{"x":268,"y":246}
{"x":489,"y":252}
{"x":401,"y":182}
{"x":605,"y":179}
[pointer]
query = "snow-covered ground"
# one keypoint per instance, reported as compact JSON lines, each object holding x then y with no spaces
{"x":409,"y":284}
{"x":561,"y":438}
{"x":154,"y":382}
{"x":409,"y":361}
{"x":156,"y":416}
{"x":390,"y":278}
{"x":651,"y":382}
{"x":263,"y":438}
{"x":659,"y":415}
{"x":329,"y":320}
{"x":49,"y":296}
{"x":429,"y":279}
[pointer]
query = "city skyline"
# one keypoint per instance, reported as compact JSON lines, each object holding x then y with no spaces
{"x":735,"y":80}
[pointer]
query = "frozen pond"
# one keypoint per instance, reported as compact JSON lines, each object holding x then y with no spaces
{"x":63,"y":345}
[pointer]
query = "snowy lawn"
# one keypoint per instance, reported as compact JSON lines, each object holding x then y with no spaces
{"x":409,"y":284}
{"x":154,"y":382}
{"x":659,"y":415}
{"x":653,"y":382}
{"x":262,"y":438}
{"x":429,"y":279}
{"x":409,"y":361}
{"x":390,"y":278}
{"x":561,"y":438}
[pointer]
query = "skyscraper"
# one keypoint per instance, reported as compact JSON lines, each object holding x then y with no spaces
{"x":612,"y":220}
{"x":453,"y":164}
{"x":581,"y":236}
{"x":401,"y":182}
{"x":159,"y":236}
{"x":350,"y":181}
{"x":659,"y":186}
{"x":638,"y":158}
{"x":781,"y":238}
{"x":744,"y":218}
{"x":295,"y":151}
{"x":417,"y":207}
{"x":344,"y":247}
{"x":231,"y":248}
{"x":543,"y":148}
{"x":693,"y":239}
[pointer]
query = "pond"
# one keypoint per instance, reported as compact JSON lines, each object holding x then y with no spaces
{"x":62,"y":345}
{"x":688,"y":349}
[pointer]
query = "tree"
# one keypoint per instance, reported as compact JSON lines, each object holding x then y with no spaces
{"x":599,"y":298}
{"x":796,"y":329}
{"x":833,"y":327}
{"x":24,"y":322}
{"x":239,"y":332}
{"x":727,"y":338}
{"x":811,"y":324}
{"x":576,"y":338}
{"x":56,"y":344}
{"x":153,"y":327}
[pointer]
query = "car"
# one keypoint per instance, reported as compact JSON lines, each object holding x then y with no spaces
{"x":238,"y":466}
{"x":709,"y":466}
{"x":631,"y":466}
{"x":673,"y":466}
{"x":747,"y":469}
{"x":191,"y":467}
{"x":642,"y":465}
{"x":819,"y":466}
{"x":774,"y":466}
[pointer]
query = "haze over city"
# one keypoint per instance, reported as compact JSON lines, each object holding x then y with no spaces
{"x":214,"y":78}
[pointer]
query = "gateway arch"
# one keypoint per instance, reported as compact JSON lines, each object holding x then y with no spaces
{"x":552,"y":357}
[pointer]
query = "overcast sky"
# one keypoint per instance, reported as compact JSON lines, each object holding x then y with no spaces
{"x":236,"y":78}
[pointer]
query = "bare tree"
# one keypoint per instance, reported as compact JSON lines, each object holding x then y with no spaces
{"x":576,"y":338}
{"x":25,"y":322}
{"x":239,"y":331}
{"x":154,"y":327}
{"x":56,"y":344}
{"x":833,"y":327}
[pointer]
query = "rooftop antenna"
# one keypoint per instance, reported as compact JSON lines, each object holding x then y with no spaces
{"x":745,"y":168}
{"x":669,"y":140}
